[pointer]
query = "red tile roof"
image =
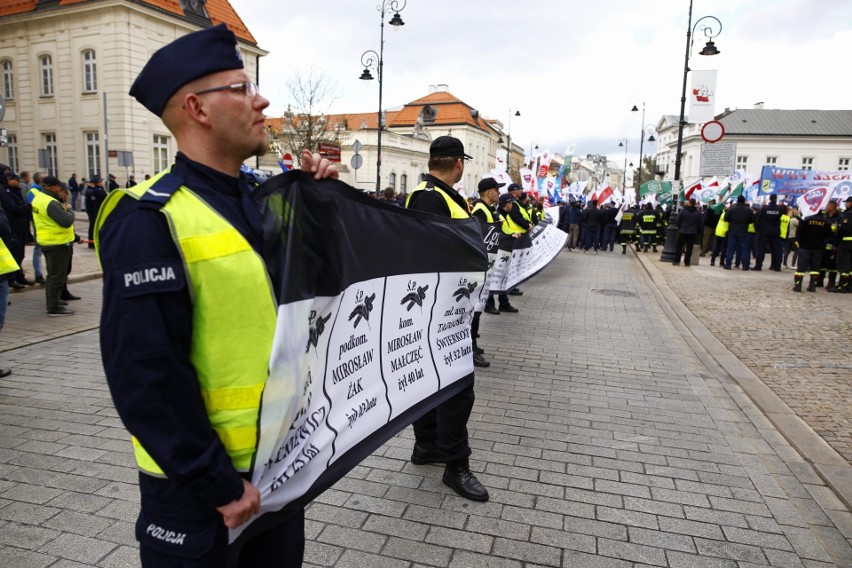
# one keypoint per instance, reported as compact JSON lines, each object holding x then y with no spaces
{"x":220,"y":11}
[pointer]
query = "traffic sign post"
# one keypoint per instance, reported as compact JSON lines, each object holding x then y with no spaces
{"x":287,"y":160}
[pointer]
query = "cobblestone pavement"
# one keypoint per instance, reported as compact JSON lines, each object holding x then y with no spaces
{"x":798,"y":344}
{"x":604,"y":436}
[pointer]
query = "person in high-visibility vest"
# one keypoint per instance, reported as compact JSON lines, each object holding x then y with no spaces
{"x":189,"y":312}
{"x":484,"y":210}
{"x":54,"y":226}
{"x":8,"y":267}
{"x":440,"y":435}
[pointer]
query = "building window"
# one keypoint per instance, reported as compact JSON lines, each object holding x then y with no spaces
{"x":90,"y":71}
{"x":771,"y":160}
{"x":8,"y":81}
{"x":403,"y":184}
{"x":50,"y":147}
{"x":12,"y":152}
{"x":742,"y":162}
{"x":843,"y":164}
{"x":93,"y":154}
{"x":807,"y":163}
{"x":392,"y":181}
{"x":46,"y":76}
{"x":161,"y":152}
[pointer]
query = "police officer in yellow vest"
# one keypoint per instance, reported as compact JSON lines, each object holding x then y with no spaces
{"x":8,"y":268}
{"x":189,"y":312}
{"x":54,"y":225}
{"x":440,"y":436}
{"x":489,"y":194}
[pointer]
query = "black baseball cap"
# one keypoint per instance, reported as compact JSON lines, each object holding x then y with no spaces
{"x":50,"y":180}
{"x":447,"y":147}
{"x":513,"y":187}
{"x":505,"y":198}
{"x":489,"y":183}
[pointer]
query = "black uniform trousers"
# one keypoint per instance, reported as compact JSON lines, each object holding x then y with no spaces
{"x":444,"y":428}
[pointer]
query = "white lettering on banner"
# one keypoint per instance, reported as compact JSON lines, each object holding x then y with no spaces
{"x":146,"y":275}
{"x":168,"y":536}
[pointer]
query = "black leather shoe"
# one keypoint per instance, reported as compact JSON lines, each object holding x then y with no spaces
{"x":492,"y":310}
{"x":516,"y":292}
{"x":26,"y":282}
{"x":5,"y":373}
{"x":423,"y":455}
{"x":68,"y":297}
{"x":459,"y":478}
{"x":509,"y":309}
{"x":39,"y":280}
{"x":478,"y":350}
{"x":479,"y":361}
{"x":16,"y":285}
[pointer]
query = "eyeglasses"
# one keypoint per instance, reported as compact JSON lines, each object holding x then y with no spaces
{"x":248,"y":88}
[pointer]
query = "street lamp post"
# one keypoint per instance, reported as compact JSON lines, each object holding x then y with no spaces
{"x":509,"y":141}
{"x":371,"y":59}
{"x":710,"y":32}
{"x":647,"y":130}
{"x":623,"y":143}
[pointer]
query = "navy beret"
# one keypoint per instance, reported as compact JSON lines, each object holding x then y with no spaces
{"x":184,"y":60}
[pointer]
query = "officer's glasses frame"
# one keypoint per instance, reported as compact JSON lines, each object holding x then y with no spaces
{"x":248,"y":88}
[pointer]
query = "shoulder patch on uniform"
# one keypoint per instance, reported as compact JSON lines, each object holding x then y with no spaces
{"x":151,"y":277}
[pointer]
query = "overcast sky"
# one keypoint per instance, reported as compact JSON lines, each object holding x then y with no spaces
{"x":573,"y":69}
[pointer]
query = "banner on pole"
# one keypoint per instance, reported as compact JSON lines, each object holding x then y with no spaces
{"x":702,"y":97}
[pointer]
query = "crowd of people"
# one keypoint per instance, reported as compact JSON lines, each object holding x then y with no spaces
{"x":740,"y":235}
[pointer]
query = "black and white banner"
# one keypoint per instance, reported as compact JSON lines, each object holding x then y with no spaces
{"x":373,"y":330}
{"x":520,"y":259}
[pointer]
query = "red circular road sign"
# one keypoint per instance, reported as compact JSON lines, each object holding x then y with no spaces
{"x":287,"y":160}
{"x":713,"y":131}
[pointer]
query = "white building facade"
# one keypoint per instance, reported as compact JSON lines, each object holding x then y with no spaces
{"x":66,"y":71}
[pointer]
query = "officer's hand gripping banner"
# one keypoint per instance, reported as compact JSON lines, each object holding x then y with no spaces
{"x":519,"y":259}
{"x":373,"y":330}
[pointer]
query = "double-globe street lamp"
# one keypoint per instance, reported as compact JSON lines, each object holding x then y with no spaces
{"x":371,"y":59}
{"x":710,"y":31}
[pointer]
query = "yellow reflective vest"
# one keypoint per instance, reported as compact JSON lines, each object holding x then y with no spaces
{"x":509,"y":225}
{"x":722,"y":225}
{"x":456,"y":210}
{"x":231,"y":340}
{"x":7,"y":262}
{"x":785,"y":224}
{"x":480,"y":206}
{"x":48,"y":231}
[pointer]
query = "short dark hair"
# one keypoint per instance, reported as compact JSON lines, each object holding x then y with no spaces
{"x":442,"y":163}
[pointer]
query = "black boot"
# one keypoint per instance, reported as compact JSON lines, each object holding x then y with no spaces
{"x":797,"y":282}
{"x":424,"y":453}
{"x":821,"y":279}
{"x":843,"y":287}
{"x":459,"y":478}
{"x":812,"y":283}
{"x":655,"y":248}
{"x":623,"y":249}
{"x":832,"y":280}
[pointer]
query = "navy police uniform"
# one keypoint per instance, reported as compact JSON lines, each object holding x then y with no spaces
{"x":147,"y":333}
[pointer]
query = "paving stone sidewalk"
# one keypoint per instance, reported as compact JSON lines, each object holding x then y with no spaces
{"x":604,"y":438}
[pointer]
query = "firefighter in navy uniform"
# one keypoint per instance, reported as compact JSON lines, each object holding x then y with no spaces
{"x":811,"y":237}
{"x":483,"y":209}
{"x":440,"y":436}
{"x":647,"y":228}
{"x":186,"y":330}
{"x":844,"y":250}
{"x":627,"y":227}
{"x":829,"y":257}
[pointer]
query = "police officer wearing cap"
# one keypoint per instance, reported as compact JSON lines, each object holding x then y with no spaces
{"x":489,"y":194}
{"x":440,"y":436}
{"x":189,"y":313}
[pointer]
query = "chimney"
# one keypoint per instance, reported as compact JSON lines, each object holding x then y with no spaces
{"x":443,"y":87}
{"x":758,"y":106}
{"x":432,"y":89}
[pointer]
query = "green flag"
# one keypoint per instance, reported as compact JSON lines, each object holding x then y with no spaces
{"x":664,"y":195}
{"x":718,"y":208}
{"x":656,"y":187}
{"x":737,"y":191}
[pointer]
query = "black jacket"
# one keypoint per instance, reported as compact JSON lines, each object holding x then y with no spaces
{"x":739,"y":217}
{"x":689,"y":221}
{"x":17,"y":210}
{"x":592,"y":216}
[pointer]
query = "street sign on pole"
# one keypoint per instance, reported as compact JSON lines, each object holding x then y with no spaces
{"x":713,"y":131}
{"x":357,"y":161}
{"x":287,"y":160}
